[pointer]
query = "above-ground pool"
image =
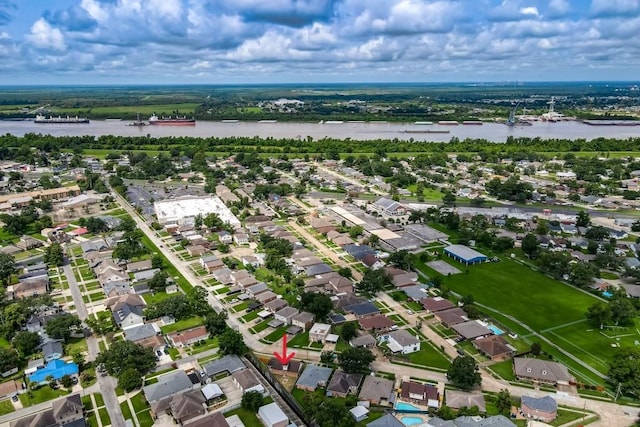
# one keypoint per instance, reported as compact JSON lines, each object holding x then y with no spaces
{"x":495,"y":330}
{"x":412,"y":421}
{"x":402,"y":406}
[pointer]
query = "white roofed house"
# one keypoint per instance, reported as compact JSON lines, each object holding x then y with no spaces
{"x":401,"y":341}
{"x":272,"y":416}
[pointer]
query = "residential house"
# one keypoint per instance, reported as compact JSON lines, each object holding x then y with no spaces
{"x":319,"y":332}
{"x":226,"y":364}
{"x":186,"y":406}
{"x":225,"y":237}
{"x":433,"y":305}
{"x":286,"y":315}
{"x":241,"y":239}
{"x":472,"y":329}
{"x":246,"y":381}
{"x":67,"y":411}
{"x":376,"y":324}
{"x":366,"y":340}
{"x":188,"y":337}
{"x":461,"y":399}
{"x":342,"y":384}
{"x":127,"y":316}
{"x":52,"y":350}
{"x":338,"y":284}
{"x":196,"y":250}
{"x":168,"y":385}
{"x":543,"y":409}
{"x":415,"y":292}
{"x":291,"y":369}
{"x":451,"y":317}
{"x":143,"y":275}
{"x":372,"y":262}
{"x":542,"y":371}
{"x":313,"y":377}
{"x":275,"y":305}
{"x":322,"y":225}
{"x":403,"y":342}
{"x":272,"y":416}
{"x":494,"y":347}
{"x":133,"y":267}
{"x":29,"y":288}
{"x":303,"y":320}
{"x":421,"y":394}
{"x":250,"y":260}
{"x":265,"y":297}
{"x":256,"y":289}
{"x":364,"y":309}
{"x":377,"y":391}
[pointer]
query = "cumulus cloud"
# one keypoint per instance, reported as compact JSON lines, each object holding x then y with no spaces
{"x":261,"y":40}
{"x":44,"y":36}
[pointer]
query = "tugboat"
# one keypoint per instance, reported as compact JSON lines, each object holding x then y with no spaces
{"x":138,"y":122}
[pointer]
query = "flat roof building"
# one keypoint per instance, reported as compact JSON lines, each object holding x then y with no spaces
{"x":184,"y":210}
{"x":465,"y":254}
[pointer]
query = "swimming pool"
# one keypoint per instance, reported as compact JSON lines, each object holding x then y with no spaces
{"x":495,"y":330}
{"x":406,"y":407}
{"x":412,"y":421}
{"x":607,"y":294}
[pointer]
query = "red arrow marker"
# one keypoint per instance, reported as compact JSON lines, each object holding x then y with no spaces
{"x":284,"y":358}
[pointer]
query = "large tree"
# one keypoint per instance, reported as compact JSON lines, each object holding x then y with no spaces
{"x":503,"y":402}
{"x":123,"y":355}
{"x":624,"y":370}
{"x":9,"y":359}
{"x":374,"y":281}
{"x":252,"y":400}
{"x":26,"y":342}
{"x":62,"y":326}
{"x":332,"y":413}
{"x":129,"y":379}
{"x":583,"y":219}
{"x":54,"y":255}
{"x":464,"y":373}
{"x":318,"y":304}
{"x":356,"y":360}
{"x":530,"y":245}
{"x":232,"y":342}
{"x":7,"y":267}
{"x":216,"y":323}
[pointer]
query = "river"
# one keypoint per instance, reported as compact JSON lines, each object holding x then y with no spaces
{"x":354,"y":130}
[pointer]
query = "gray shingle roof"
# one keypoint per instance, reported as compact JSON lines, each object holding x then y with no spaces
{"x":167,"y":385}
{"x":314,"y":375}
{"x":544,"y":404}
{"x":386,"y":421}
{"x":229,"y":363}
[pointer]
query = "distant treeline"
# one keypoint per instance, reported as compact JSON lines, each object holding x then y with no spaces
{"x":11,"y":146}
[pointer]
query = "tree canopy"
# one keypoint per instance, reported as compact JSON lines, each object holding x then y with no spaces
{"x":356,"y":360}
{"x":624,"y":370}
{"x":464,"y":373}
{"x":123,"y":355}
{"x":62,"y":326}
{"x":318,"y":304}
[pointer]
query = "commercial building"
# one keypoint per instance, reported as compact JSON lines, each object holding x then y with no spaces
{"x":184,"y":210}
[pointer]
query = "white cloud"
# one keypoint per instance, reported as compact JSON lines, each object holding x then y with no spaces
{"x":530,"y":10}
{"x":44,"y":36}
{"x":614,"y":7}
{"x":559,"y":6}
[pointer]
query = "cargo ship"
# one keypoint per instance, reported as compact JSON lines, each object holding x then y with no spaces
{"x":64,"y":120}
{"x":171,"y":121}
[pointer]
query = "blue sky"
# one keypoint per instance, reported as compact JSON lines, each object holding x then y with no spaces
{"x":291,"y":41}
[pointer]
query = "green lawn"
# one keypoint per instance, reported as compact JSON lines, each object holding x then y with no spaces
{"x":43,"y":394}
{"x":99,"y":399}
{"x":190,"y":322}
{"x":429,"y":356}
{"x":261,"y":326}
{"x":144,"y":418}
{"x":502,"y":285}
{"x":276,"y":335}
{"x":144,"y":110}
{"x":104,"y":416}
{"x":6,"y":407}
{"x":139,"y":402}
{"x":504,"y":369}
{"x":91,"y":419}
{"x":565,"y":417}
{"x":250,"y":316}
{"x":126,"y":411}
{"x":155,"y":297}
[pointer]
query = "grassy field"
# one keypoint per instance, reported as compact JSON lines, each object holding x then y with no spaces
{"x":503,"y":285}
{"x":547,"y":306}
{"x":144,"y":110}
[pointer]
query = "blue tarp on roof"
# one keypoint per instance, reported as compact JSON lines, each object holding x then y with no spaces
{"x":56,"y":368}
